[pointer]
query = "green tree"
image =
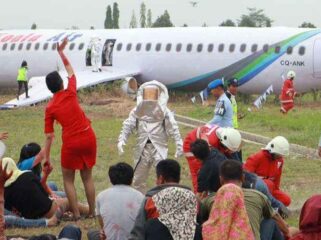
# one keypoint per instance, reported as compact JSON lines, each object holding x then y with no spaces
{"x":109,"y":19}
{"x":185,"y":25}
{"x":34,"y":26}
{"x":143,"y":15}
{"x":115,"y":16}
{"x":307,"y":25}
{"x":149,"y":18}
{"x":133,"y":21}
{"x":255,"y":18}
{"x":163,"y":21}
{"x":227,"y":23}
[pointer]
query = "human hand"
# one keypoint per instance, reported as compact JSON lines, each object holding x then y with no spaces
{"x":4,"y":136}
{"x":61,"y":46}
{"x":102,"y":235}
{"x":179,"y":152}
{"x":120,"y":146}
{"x":47,"y":168}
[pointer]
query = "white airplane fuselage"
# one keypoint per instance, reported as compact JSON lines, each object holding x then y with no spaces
{"x":181,"y":58}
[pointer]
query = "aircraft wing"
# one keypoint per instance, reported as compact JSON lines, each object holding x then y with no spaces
{"x":38,"y":91}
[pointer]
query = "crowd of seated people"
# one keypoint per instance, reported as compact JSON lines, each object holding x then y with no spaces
{"x":230,"y":203}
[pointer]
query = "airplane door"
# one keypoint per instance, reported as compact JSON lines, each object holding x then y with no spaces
{"x":317,"y":58}
{"x":107,"y":54}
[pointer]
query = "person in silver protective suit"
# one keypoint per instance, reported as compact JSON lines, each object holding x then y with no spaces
{"x":96,"y":54}
{"x":154,"y":123}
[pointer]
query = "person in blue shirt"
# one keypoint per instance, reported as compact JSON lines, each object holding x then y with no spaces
{"x":223,"y":113}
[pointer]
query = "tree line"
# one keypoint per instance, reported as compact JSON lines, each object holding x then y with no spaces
{"x":254,"y":18}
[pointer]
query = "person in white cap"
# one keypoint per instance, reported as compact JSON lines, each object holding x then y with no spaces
{"x":288,"y":93}
{"x":268,"y":164}
{"x":153,"y":123}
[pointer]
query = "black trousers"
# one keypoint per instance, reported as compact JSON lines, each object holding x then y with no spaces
{"x":25,"y":84}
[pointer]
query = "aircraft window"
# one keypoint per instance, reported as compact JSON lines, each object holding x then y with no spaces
{"x":254,"y":48}
{"x":302,"y":50}
{"x":277,"y":49}
{"x":54,"y":46}
{"x":243,"y":47}
{"x":232,"y":47}
{"x":45,"y":46}
{"x":119,"y":46}
{"x":200,"y":47}
{"x":158,"y":47}
{"x":148,"y":46}
{"x":178,"y":47}
{"x":20,"y":46}
{"x":168,"y":47}
{"x":138,"y":47}
{"x":4,"y":47}
{"x":210,"y":47}
{"x":289,"y":50}
{"x":72,"y":46}
{"x":81,"y":46}
{"x":129,"y":47}
{"x":37,"y":46}
{"x":265,"y":48}
{"x":28,"y":46}
{"x":189,"y":47}
{"x":12,"y":46}
{"x":221,"y":47}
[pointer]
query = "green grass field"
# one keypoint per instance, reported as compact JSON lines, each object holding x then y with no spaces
{"x":301,"y":177}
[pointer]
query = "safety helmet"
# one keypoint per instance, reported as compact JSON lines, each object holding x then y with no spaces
{"x":291,"y":74}
{"x":278,"y":145}
{"x":230,"y":138}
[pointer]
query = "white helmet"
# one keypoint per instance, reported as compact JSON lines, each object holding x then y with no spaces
{"x":291,"y":75}
{"x":230,"y":138}
{"x":2,"y":149}
{"x":278,"y":145}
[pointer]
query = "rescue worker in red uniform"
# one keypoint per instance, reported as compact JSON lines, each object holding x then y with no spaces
{"x":212,"y":134}
{"x":268,"y":164}
{"x":288,"y":93}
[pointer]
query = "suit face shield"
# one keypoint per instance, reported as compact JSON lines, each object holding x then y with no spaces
{"x":149,"y":109}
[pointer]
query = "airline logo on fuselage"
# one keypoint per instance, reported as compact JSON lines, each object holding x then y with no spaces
{"x":33,"y":37}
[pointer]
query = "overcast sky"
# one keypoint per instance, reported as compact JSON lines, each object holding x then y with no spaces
{"x":19,"y":14}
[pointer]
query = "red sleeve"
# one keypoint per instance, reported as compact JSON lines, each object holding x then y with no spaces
{"x":151,"y":210}
{"x":252,"y":163}
{"x":72,"y":84}
{"x":277,"y":180}
{"x":49,"y":122}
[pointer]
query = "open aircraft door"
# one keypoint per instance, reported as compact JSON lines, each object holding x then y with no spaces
{"x":317,"y":58}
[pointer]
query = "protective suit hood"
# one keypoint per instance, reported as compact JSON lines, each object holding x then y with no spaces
{"x":149,"y":110}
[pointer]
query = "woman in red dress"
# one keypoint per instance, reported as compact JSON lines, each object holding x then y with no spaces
{"x":79,"y":141}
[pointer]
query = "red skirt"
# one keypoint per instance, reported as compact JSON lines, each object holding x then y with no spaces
{"x":79,"y":152}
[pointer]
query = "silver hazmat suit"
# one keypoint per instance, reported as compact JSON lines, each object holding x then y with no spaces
{"x":154,"y":123}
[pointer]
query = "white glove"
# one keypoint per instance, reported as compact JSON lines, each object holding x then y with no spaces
{"x":178,"y":153}
{"x":120,"y":147}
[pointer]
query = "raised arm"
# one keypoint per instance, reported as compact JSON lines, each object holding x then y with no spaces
{"x":60,"y":48}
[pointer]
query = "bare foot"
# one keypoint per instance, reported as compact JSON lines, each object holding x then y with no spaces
{"x":52,"y":222}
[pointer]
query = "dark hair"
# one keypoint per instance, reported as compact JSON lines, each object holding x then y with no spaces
{"x":231,"y":170}
{"x":121,"y":173}
{"x":200,"y":149}
{"x":169,"y":169}
{"x":54,"y":82}
{"x":24,"y":64}
{"x":44,"y":237}
{"x":28,"y":151}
